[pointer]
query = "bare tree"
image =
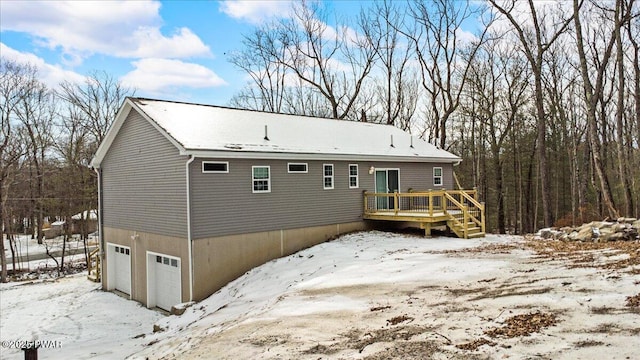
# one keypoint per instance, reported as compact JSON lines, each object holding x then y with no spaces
{"x":594,"y":93}
{"x":267,"y":89}
{"x":534,"y":44}
{"x":13,"y":77}
{"x":444,"y":57}
{"x":35,"y":112}
{"x":330,"y":63}
{"x":98,"y":100}
{"x":398,"y":89}
{"x":623,"y":160}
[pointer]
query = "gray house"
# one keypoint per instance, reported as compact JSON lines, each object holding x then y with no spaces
{"x":192,"y":196}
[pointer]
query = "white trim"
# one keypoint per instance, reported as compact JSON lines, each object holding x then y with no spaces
{"x":332,"y":177}
{"x":375,"y":179}
{"x":101,"y":244}
{"x":441,"y":177}
{"x":268,"y":180}
{"x":189,"y":240}
{"x":122,"y":115}
{"x":357,"y":176}
{"x":306,"y":168}
{"x":226,"y":163}
{"x":254,"y":155}
{"x":111,"y":270}
{"x":151,"y":300}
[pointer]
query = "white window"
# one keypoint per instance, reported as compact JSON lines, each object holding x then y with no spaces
{"x":298,"y":168}
{"x":328,"y":176}
{"x":261,"y":179}
{"x":353,"y":176}
{"x":437,"y":176}
{"x":215,"y":167}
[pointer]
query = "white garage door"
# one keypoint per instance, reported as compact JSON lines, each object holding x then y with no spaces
{"x":167,"y":289}
{"x":120,"y":266}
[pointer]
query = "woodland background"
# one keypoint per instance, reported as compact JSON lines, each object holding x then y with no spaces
{"x":540,"y":99}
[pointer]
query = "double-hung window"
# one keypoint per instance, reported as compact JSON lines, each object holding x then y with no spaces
{"x":353,"y":176}
{"x":328,"y":176}
{"x":261,"y":176}
{"x":437,"y":176}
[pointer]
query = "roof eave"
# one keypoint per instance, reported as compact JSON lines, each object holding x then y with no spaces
{"x":123,"y":113}
{"x":258,"y":155}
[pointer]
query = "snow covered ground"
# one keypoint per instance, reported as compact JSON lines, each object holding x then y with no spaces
{"x":80,"y":320}
{"x":33,"y":262}
{"x":369,"y":295}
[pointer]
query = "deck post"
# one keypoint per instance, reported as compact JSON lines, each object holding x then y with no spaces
{"x":465,"y":210}
{"x":396,"y":200}
{"x":430,"y":203}
{"x":427,"y":229}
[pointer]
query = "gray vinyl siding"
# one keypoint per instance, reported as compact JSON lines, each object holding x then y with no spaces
{"x":144,"y":181}
{"x":224,"y":204}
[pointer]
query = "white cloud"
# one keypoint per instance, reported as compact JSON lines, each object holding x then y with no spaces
{"x":156,"y":75}
{"x":51,"y":75}
{"x":254,"y":11}
{"x":149,"y":42}
{"x":81,"y":28}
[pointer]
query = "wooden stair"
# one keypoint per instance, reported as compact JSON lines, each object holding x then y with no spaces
{"x":473,"y":231}
{"x":93,"y":267}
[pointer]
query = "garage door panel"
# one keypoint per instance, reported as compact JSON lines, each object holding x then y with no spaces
{"x":120,"y":261}
{"x":166,"y":279}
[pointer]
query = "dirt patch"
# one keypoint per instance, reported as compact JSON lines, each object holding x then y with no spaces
{"x":406,"y":350}
{"x":488,"y":248}
{"x":270,"y":340}
{"x":613,"y":255}
{"x":359,"y":339}
{"x":523,"y":325}
{"x":398,"y":319}
{"x":475,"y":344}
{"x":633,"y":301}
{"x":380,"y":308}
{"x":587,"y":343}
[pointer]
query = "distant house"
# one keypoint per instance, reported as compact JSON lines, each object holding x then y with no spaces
{"x":192,"y":196}
{"x":86,"y":221}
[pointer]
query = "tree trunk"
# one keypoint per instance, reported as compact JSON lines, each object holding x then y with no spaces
{"x":591,"y":99}
{"x":499,"y":194}
{"x":623,"y":166}
{"x":545,"y":176}
{"x":3,"y":255}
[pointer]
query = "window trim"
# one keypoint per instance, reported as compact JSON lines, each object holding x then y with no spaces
{"x":226,"y":163}
{"x":306,"y":168}
{"x":439,"y":177}
{"x":356,"y":177}
{"x":253,"y":179}
{"x":325,"y":177}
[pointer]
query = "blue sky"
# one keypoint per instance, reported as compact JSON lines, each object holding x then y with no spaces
{"x":172,"y":50}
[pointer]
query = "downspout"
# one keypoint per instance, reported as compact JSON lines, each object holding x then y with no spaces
{"x":189,"y":241}
{"x":100,"y":236}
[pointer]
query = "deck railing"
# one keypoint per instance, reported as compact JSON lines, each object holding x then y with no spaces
{"x":459,"y":206}
{"x":93,"y":268}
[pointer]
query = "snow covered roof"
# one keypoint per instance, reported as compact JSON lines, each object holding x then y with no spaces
{"x":213,"y":131}
{"x":87,"y":214}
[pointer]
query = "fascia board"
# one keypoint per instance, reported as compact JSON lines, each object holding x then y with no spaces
{"x":314,"y":156}
{"x":123,"y":113}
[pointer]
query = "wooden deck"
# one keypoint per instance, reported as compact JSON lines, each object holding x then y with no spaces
{"x":460,"y":210}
